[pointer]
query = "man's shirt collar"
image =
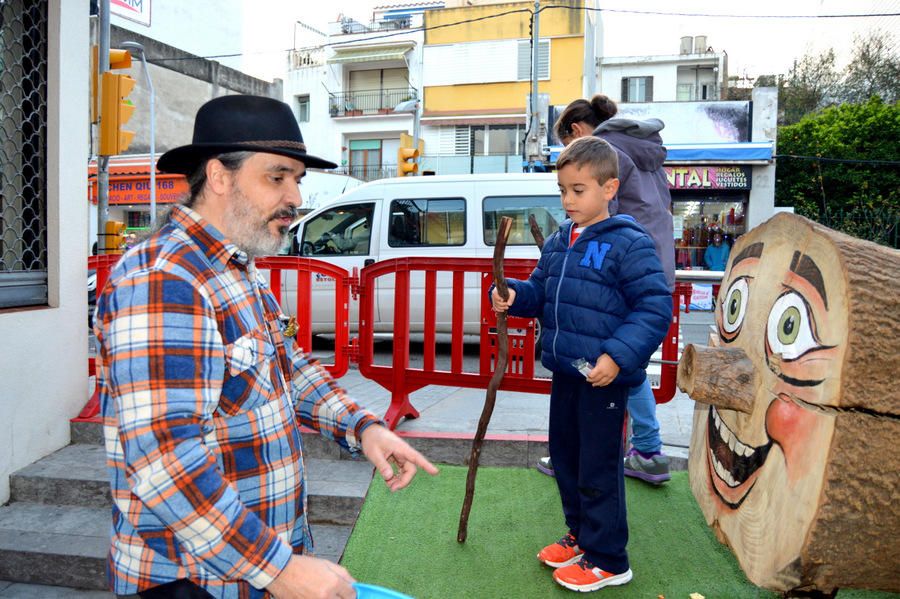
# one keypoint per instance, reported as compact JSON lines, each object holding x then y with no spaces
{"x":212,"y":242}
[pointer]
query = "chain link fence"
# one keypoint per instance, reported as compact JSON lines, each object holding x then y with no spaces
{"x":23,"y":153}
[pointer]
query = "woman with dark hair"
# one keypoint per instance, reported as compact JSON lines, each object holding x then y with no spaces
{"x":643,"y":191}
{"x":644,"y":195}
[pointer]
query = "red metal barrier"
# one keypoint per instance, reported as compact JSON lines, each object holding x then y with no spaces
{"x":281,"y":269}
{"x":303,"y":269}
{"x":101,"y":265}
{"x":398,"y":377}
{"x":401,"y":379}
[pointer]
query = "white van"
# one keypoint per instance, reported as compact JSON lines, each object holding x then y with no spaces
{"x":430,"y":216}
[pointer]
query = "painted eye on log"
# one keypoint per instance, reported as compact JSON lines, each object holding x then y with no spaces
{"x":789,"y":331}
{"x":735,"y":306}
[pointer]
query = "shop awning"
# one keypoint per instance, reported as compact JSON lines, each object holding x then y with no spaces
{"x":347,"y":55}
{"x":757,"y":152}
{"x":720,"y":152}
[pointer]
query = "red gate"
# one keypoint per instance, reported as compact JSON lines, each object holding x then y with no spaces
{"x":401,"y":379}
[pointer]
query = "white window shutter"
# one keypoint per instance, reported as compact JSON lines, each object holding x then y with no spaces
{"x":523,"y":64}
{"x":463,"y":143}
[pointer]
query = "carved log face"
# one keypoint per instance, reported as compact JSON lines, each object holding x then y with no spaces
{"x":758,"y":476}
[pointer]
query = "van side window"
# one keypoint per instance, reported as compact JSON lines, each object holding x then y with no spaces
{"x":547,"y":211}
{"x":432,"y":222}
{"x":342,"y":231}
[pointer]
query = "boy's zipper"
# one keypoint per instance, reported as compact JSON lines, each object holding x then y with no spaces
{"x":562,"y":275}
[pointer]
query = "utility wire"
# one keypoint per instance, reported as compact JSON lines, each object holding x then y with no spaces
{"x":367,"y":39}
{"x":719,"y":15}
{"x":530,"y":11}
{"x":839,"y":160}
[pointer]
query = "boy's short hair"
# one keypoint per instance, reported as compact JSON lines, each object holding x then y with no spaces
{"x":593,"y":152}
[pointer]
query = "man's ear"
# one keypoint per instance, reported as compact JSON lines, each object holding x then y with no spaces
{"x":218,"y":178}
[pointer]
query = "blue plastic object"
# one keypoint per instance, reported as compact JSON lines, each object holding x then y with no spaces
{"x":371,"y":591}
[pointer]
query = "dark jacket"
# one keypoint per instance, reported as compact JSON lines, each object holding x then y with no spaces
{"x":606,"y":294}
{"x":643,"y":189}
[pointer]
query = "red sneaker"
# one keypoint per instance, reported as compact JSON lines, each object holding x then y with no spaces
{"x":584,"y":577}
{"x":561,"y":553}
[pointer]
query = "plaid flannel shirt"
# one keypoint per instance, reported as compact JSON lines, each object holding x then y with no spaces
{"x":201,"y":407}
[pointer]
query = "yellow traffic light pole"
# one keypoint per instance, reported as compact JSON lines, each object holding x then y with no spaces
{"x":114,"y":111}
{"x":102,"y":161}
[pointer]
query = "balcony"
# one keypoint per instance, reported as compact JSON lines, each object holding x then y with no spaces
{"x":369,"y":173}
{"x":368,"y":102}
{"x":688,"y":92}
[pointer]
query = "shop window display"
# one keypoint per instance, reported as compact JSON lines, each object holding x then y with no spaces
{"x":696,"y":223}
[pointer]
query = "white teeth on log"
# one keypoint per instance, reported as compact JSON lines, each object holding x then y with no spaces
{"x":730,"y":438}
{"x":721,"y":472}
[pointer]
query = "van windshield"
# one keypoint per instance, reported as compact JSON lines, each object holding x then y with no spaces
{"x":546,"y":209}
{"x":342,"y":230}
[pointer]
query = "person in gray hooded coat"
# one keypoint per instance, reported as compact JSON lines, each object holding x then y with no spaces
{"x":644,"y":195}
{"x":643,"y":191}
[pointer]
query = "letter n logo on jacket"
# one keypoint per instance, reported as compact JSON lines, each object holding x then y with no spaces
{"x":594,"y":255}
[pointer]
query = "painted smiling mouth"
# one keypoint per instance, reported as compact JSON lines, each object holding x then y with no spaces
{"x":733,"y":461}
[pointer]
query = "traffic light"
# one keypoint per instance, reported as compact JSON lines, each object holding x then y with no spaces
{"x":406,"y":162}
{"x":115,"y":108}
{"x":114,"y":237}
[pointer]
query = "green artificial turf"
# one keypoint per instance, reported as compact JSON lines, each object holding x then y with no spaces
{"x":407,"y":541}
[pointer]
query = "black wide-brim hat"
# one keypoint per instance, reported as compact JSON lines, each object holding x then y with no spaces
{"x":241,"y":123}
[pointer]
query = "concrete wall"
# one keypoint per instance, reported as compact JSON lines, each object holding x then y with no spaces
{"x":43,"y":359}
{"x":765,"y":128}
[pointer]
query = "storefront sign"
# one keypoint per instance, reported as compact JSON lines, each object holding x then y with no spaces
{"x":708,"y":177}
{"x":133,"y":10}
{"x":170,"y":189}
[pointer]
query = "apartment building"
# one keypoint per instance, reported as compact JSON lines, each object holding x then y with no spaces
{"x":696,"y":73}
{"x":347,"y":90}
{"x":477,"y":79}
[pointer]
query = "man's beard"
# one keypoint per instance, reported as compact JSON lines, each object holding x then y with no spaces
{"x":249,"y":229}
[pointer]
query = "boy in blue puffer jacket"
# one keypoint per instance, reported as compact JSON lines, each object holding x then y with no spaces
{"x":602,"y":297}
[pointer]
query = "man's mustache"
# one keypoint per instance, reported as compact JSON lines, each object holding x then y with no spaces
{"x":285,"y":213}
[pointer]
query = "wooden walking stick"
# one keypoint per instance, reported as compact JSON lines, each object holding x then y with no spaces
{"x":536,"y":232}
{"x":494,"y":384}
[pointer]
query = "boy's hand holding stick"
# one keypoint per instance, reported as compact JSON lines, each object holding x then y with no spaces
{"x":500,"y":369}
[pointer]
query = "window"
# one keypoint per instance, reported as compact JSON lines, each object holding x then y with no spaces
{"x":302,"y":103}
{"x":547,"y":211}
{"x":502,"y":139}
{"x":135,"y":219}
{"x":637,"y":89}
{"x":523,"y":70}
{"x":365,"y":159}
{"x":420,"y":223}
{"x":341,"y":231}
{"x":23,"y":151}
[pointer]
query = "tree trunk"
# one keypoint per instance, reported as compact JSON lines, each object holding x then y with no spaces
{"x":794,"y":463}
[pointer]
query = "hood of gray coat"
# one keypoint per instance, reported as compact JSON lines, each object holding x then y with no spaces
{"x":639,"y":139}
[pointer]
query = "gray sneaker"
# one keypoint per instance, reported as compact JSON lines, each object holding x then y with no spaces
{"x":654,"y":470}
{"x":545,"y":466}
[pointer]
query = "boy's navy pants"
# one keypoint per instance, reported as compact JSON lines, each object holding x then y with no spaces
{"x":586,"y":450}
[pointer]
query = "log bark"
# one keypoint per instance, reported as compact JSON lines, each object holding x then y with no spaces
{"x":721,"y":377}
{"x":493,"y":385}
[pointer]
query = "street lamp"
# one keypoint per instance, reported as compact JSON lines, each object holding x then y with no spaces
{"x":413,"y":107}
{"x":135,"y":47}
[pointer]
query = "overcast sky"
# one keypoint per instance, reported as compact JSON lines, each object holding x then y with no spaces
{"x":755,"y":46}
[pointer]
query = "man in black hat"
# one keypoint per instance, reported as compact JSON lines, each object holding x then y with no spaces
{"x":202,"y":398}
